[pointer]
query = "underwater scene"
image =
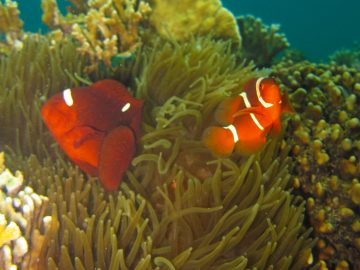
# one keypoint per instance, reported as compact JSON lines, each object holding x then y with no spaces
{"x":173,"y":134}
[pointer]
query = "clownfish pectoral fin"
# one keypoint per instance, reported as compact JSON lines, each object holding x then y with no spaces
{"x":87,"y":134}
{"x":275,"y":128}
{"x":226,"y":109}
{"x":285,"y":103}
{"x":219,"y":140}
{"x":116,"y":153}
{"x":248,"y":147}
{"x":255,"y":110}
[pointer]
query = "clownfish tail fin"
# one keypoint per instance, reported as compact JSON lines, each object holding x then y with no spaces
{"x":285,"y":103}
{"x":219,"y":140}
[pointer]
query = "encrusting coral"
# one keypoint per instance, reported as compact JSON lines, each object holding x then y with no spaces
{"x":326,"y":144}
{"x":22,"y":214}
{"x":182,"y":19}
{"x":107,"y":31}
{"x":260,"y":43}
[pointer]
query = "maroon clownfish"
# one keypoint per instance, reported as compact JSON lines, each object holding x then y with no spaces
{"x":246,"y":119}
{"x":97,"y":127}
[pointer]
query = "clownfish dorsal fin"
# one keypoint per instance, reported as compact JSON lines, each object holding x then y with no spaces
{"x":285,"y":103}
{"x":255,"y":110}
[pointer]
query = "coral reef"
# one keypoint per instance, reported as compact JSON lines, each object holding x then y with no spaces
{"x":260,"y":43}
{"x":22,"y":214}
{"x":349,"y":57}
{"x":106,"y":31}
{"x":326,"y":144}
{"x":182,"y":19}
{"x":10,"y":27}
{"x":179,"y":207}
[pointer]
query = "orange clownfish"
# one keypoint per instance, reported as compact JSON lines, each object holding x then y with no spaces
{"x":246,"y":119}
{"x":97,"y":126}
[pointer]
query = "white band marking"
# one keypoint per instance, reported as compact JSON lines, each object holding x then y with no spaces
{"x":248,"y":105}
{"x":126,"y":107}
{"x":234,"y":132}
{"x":262,"y":101}
{"x":68,"y":97}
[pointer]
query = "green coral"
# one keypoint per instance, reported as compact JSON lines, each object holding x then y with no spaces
{"x":349,"y":57}
{"x":261,"y":43}
{"x":326,"y":144}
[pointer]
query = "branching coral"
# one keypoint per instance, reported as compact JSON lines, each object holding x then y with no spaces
{"x":106,"y":31}
{"x":261,"y":43}
{"x":21,"y":217}
{"x":10,"y":27}
{"x":181,"y":19}
{"x":326,"y":134}
{"x":348,"y":57}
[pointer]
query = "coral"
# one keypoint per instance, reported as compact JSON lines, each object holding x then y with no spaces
{"x":22,"y":215}
{"x":9,"y":17}
{"x":179,"y":207}
{"x":261,"y":43}
{"x":107,"y":31}
{"x":182,"y":19}
{"x":326,"y":144}
{"x":10,"y":27}
{"x":348,"y":57}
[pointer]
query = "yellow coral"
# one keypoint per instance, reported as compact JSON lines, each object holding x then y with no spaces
{"x":8,"y":231}
{"x":107,"y":29}
{"x":9,"y":17}
{"x":180,"y":19}
{"x":11,"y":25}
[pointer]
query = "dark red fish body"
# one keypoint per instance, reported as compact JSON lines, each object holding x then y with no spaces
{"x":97,"y":127}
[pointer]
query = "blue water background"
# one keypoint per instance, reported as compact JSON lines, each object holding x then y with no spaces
{"x":316,"y":27}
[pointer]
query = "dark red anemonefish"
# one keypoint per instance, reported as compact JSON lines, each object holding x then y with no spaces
{"x":246,"y":119}
{"x":97,"y":127}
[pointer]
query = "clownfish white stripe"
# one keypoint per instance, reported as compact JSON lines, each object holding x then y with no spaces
{"x":248,"y":105}
{"x":234,"y":132}
{"x":68,"y":97}
{"x":126,"y":107}
{"x":246,"y":100}
{"x":261,"y":100}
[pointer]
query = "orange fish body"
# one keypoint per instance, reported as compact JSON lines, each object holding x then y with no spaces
{"x":97,"y":127}
{"x":246,"y":119}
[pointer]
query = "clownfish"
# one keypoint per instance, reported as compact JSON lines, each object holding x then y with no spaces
{"x":247,"y":118}
{"x":97,"y":127}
